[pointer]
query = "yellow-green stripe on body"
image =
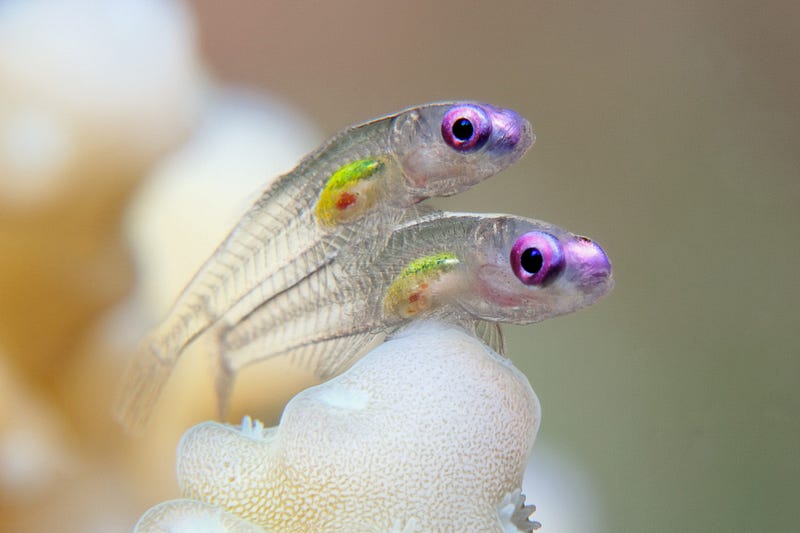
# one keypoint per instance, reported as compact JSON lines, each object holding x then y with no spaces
{"x":413,"y":291}
{"x":349,"y":192}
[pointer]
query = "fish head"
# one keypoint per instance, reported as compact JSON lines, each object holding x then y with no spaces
{"x":524,"y":271}
{"x":445,"y":148}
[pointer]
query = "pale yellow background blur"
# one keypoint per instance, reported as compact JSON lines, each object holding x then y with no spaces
{"x":668,"y":132}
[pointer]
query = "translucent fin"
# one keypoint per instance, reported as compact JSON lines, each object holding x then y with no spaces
{"x":224,"y":388}
{"x":343,"y":299}
{"x":324,"y":357}
{"x":142,"y":384}
{"x":315,"y":309}
{"x":491,"y":334}
{"x":331,"y":358}
{"x":276,"y":244}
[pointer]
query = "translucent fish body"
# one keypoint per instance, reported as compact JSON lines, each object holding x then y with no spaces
{"x":362,"y":182}
{"x":463,"y":268}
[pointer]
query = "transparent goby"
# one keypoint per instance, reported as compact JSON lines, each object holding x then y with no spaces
{"x":476,"y":270}
{"x":363,"y":181}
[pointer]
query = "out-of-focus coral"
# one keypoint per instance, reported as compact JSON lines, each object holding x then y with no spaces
{"x":91,"y":93}
{"x":35,"y":450}
{"x":186,"y":201}
{"x":430,"y":431}
{"x":88,"y":85}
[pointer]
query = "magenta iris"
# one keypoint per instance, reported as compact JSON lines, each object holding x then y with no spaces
{"x":537,"y":258}
{"x":466,"y":127}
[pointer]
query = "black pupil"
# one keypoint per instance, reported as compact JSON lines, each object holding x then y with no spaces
{"x":531,"y":260}
{"x":462,"y":129}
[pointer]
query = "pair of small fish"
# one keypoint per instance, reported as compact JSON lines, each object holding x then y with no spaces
{"x":337,"y":253}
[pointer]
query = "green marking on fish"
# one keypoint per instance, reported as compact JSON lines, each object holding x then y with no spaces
{"x":411,"y":292}
{"x":348,"y":193}
{"x":424,"y":265}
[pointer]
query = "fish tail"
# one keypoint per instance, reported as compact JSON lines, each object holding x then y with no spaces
{"x":224,"y":387}
{"x":142,"y":384}
{"x":153,"y":363}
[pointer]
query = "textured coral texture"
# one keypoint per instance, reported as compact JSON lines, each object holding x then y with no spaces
{"x":191,"y":516}
{"x":430,"y":431}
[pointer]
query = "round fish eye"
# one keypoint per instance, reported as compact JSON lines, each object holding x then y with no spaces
{"x":466,"y":127}
{"x":537,"y":258}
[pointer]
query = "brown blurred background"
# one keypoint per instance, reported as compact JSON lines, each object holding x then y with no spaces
{"x":666,"y":131}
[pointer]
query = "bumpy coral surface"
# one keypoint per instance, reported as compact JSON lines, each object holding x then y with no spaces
{"x":430,"y":431}
{"x":192,"y":516}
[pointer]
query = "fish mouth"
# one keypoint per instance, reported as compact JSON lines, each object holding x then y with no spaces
{"x":598,"y":284}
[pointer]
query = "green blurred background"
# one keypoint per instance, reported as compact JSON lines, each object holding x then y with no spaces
{"x":668,"y":132}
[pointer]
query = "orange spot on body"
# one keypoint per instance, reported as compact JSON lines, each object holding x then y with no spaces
{"x":417,"y":301}
{"x":346,"y":199}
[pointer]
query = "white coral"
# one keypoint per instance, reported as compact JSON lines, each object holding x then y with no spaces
{"x":189,"y":516}
{"x":91,"y":91}
{"x":429,"y":432}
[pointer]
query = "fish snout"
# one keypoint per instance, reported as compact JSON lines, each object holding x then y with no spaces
{"x":512,"y":131}
{"x":595,"y":275}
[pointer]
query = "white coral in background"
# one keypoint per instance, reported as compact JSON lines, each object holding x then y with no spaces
{"x":430,"y":431}
{"x":90,"y":89}
{"x":35,"y":449}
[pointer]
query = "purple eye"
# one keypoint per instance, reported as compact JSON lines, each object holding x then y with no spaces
{"x":466,"y":127}
{"x":537,"y":258}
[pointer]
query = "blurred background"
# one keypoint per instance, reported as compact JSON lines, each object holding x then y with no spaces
{"x":134,"y":132}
